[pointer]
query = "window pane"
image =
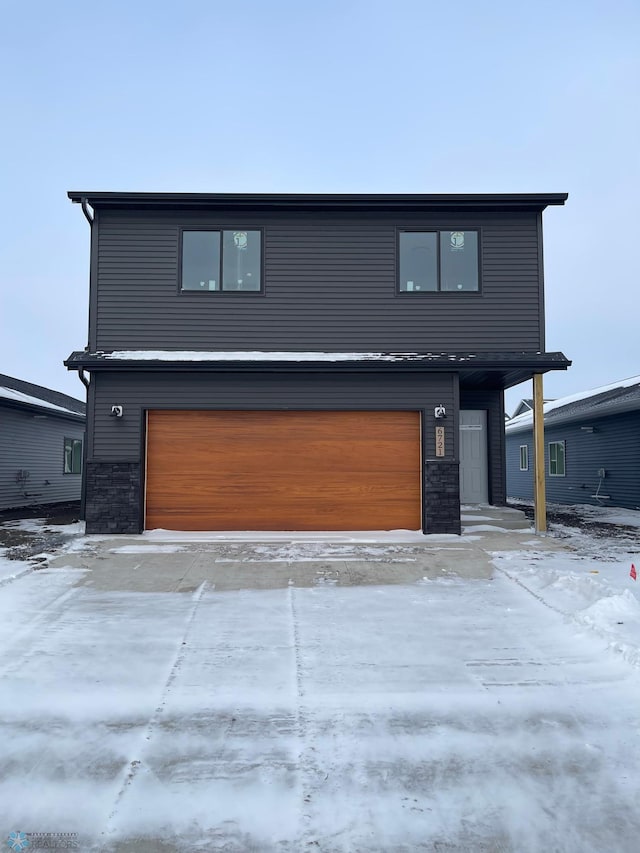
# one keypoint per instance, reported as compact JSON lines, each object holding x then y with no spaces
{"x":524,"y":457}
{"x":459,"y":260}
{"x":68,"y":456}
{"x":201,"y":260}
{"x":77,"y":456}
{"x":241,"y":260}
{"x":556,"y":458}
{"x":72,"y":456}
{"x":418,"y":261}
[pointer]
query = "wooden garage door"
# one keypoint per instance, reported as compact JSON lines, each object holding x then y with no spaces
{"x":283,"y":470}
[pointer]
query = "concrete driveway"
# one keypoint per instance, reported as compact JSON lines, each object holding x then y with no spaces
{"x":371,"y":697}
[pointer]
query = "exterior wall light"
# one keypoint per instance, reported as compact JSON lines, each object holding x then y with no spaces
{"x":117,"y":411}
{"x":440,"y":412}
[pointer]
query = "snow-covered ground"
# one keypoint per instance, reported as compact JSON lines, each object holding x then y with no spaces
{"x":25,"y":543}
{"x":591,"y":582}
{"x":446,"y":715}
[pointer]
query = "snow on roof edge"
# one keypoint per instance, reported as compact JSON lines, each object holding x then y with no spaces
{"x":242,"y":355}
{"x":526,"y":418}
{"x":27,"y":399}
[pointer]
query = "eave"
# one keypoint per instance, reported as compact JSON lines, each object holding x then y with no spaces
{"x":362,"y":202}
{"x":41,"y":411}
{"x":557,"y":418}
{"x":477,"y":370}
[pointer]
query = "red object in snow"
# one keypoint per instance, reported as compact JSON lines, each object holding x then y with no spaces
{"x":633,"y":573}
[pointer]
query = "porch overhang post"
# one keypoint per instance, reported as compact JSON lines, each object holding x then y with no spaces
{"x":539,"y":490}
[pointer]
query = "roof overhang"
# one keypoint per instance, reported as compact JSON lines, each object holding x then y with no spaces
{"x":552,"y":419}
{"x":405,"y":202}
{"x":42,"y":411}
{"x":477,"y":370}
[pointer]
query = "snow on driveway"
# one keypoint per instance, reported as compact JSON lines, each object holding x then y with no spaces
{"x":447,"y":715}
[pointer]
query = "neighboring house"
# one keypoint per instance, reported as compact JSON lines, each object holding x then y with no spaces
{"x":592,"y":448}
{"x":525,"y":406}
{"x":305,"y":362}
{"x":41,"y":441}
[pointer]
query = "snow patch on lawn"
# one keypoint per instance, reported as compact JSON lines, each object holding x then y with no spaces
{"x":40,"y":525}
{"x":613,"y":515}
{"x":12,"y":569}
{"x":600,"y":596}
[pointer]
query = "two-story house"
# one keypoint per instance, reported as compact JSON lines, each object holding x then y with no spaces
{"x":305,"y":362}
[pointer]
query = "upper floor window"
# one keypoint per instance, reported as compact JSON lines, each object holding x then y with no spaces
{"x":432,"y":261}
{"x":72,"y":456}
{"x":222,"y":261}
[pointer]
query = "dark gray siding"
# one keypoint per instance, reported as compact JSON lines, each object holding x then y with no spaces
{"x":330,"y":283}
{"x":121,"y":439}
{"x":493,"y":402}
{"x":614,"y":445}
{"x":119,"y":442}
{"x":36,"y":445}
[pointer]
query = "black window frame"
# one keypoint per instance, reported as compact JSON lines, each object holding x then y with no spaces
{"x":438,"y":231}
{"x":220,"y":229}
{"x":72,"y":441}
{"x":564,"y":458}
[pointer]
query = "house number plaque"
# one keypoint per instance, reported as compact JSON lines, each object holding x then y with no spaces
{"x":439,"y":441}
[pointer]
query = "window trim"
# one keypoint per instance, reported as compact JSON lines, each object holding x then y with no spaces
{"x":220,"y":230}
{"x":438,"y":231}
{"x":73,"y":441}
{"x":564,"y":459}
{"x":524,"y":447}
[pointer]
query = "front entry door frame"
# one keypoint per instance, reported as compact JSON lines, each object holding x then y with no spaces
{"x":474,"y":457}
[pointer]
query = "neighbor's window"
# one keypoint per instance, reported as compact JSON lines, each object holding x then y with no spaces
{"x":438,"y":261}
{"x":223,"y":261}
{"x":72,"y":455}
{"x":556,"y":458}
{"x":524,"y":457}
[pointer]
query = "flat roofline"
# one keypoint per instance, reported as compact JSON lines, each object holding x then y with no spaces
{"x":495,"y":370}
{"x":318,"y":201}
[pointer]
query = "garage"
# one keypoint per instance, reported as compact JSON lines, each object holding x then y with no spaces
{"x":283,"y":470}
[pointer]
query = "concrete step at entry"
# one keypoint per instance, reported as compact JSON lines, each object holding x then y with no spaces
{"x":494,"y":516}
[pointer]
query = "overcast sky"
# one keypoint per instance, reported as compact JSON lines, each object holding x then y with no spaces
{"x":347,"y":96}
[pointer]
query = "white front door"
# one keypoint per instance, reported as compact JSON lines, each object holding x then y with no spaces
{"x":473,"y":456}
